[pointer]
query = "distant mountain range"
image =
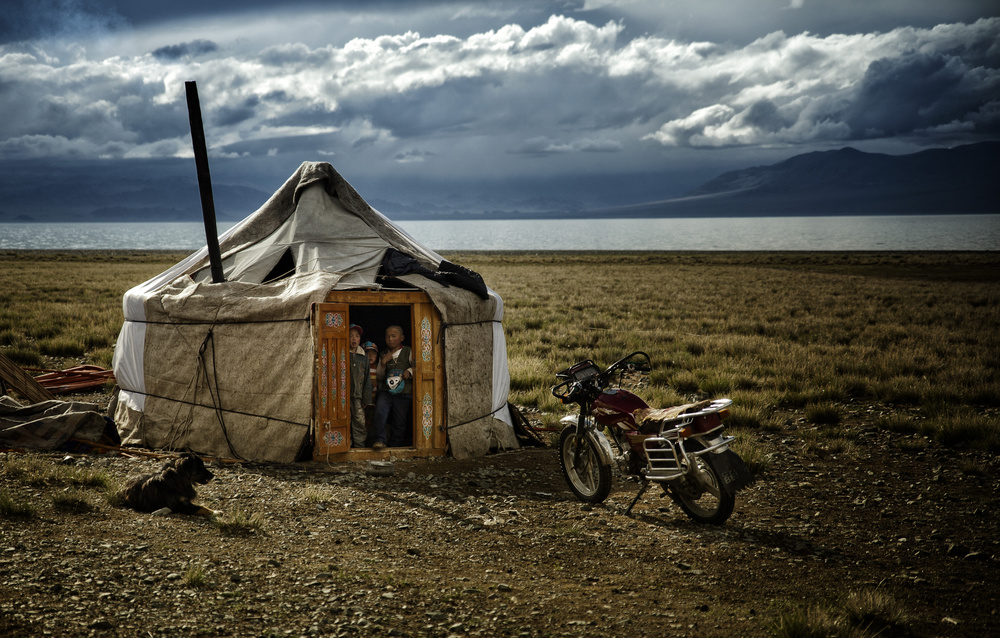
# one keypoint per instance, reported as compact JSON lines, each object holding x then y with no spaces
{"x":964,"y":179}
{"x":79,"y":194}
{"x":960,"y":180}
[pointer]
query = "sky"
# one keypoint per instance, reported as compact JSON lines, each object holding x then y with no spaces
{"x":481,"y":105}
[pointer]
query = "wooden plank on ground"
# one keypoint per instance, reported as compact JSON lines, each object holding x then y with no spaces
{"x":21,"y":382}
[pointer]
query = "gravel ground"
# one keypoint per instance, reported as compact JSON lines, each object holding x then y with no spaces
{"x":498,"y":546}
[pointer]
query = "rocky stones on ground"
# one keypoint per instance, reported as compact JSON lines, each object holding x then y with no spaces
{"x":499,"y":546}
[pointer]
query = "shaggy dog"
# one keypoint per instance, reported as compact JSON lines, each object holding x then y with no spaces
{"x":172,"y":486}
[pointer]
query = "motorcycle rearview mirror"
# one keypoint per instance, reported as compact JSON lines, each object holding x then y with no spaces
{"x":642,"y":362}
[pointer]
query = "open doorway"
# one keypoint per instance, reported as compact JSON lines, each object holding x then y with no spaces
{"x":389,"y":419}
{"x":375,"y":311}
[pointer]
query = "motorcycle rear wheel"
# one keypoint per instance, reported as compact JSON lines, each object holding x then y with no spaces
{"x":589,"y":479}
{"x":704,"y":501}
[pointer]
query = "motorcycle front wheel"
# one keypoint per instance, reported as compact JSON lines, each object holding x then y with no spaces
{"x":589,"y":479}
{"x":698,"y":493}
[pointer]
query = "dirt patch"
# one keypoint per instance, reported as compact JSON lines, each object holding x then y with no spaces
{"x":499,"y":546}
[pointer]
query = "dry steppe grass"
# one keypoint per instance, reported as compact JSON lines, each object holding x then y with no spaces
{"x":848,"y":371}
{"x":777,"y":332}
{"x":67,"y":306}
{"x":800,"y":334}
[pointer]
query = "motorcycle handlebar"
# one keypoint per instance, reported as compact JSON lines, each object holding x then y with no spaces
{"x":631,"y":367}
{"x":578,"y":390}
{"x":568,"y":390}
{"x":556,"y":389}
{"x":563,"y":395}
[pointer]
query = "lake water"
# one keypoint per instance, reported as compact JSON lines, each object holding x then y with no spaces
{"x":898,"y":232}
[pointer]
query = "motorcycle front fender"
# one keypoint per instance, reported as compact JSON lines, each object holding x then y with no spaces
{"x":604,"y":452}
{"x":570,"y":419}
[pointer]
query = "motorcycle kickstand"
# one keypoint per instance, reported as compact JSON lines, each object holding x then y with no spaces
{"x":642,"y":490}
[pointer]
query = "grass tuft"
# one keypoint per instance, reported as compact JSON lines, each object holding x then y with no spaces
{"x":752,"y":417}
{"x":26,"y":357}
{"x":685,"y":383}
{"x":876,"y":613}
{"x":753,"y":452}
{"x":811,"y":622}
{"x":862,"y":614}
{"x":695,"y":349}
{"x":961,"y":426}
{"x":316,"y":495}
{"x":62,"y":347}
{"x":72,"y":500}
{"x":29,"y":469}
{"x":829,"y":440}
{"x":35,"y":470}
{"x":823,"y":414}
{"x":898,"y":423}
{"x":239,"y":523}
{"x":9,"y":508}
{"x":195,"y":576}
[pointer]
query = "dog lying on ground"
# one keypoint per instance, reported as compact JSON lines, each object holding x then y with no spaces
{"x":172,"y":486}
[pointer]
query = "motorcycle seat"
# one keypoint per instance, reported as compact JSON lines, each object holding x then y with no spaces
{"x":650,"y":420}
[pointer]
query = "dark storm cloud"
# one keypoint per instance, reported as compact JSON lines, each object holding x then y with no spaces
{"x":423,"y":110}
{"x":234,"y":114}
{"x":765,"y":116}
{"x":143,"y":12}
{"x":562,"y":89}
{"x":919,"y":92}
{"x":22,"y":20}
{"x":193,"y":49}
{"x":73,"y":111}
{"x":901,"y":95}
{"x":942,"y":83}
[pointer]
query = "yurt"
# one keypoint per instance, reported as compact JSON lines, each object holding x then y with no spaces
{"x":256,"y":367}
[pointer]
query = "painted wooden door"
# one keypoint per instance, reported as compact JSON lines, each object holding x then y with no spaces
{"x":332,"y":404}
{"x":428,"y":381}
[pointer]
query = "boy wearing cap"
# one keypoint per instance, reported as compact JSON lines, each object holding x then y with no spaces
{"x":361,"y":387}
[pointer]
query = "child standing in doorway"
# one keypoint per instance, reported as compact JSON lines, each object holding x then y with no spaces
{"x":361,"y":387}
{"x":395,"y":392}
{"x":371,"y":351}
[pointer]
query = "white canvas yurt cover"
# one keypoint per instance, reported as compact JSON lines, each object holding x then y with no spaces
{"x":226,"y":369}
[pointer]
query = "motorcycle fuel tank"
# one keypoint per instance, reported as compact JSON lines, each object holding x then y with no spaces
{"x":615,"y":406}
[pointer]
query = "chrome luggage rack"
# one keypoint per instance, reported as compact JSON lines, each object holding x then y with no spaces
{"x":667,"y":459}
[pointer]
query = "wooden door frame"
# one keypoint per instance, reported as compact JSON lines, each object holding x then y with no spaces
{"x":331,"y":388}
{"x":429,"y":404}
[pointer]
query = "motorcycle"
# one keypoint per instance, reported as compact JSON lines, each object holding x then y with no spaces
{"x":683,"y":449}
